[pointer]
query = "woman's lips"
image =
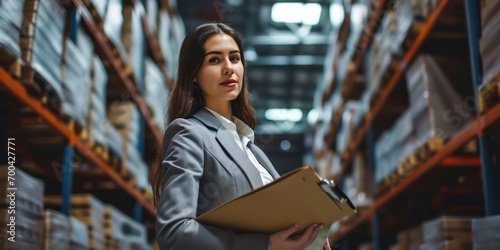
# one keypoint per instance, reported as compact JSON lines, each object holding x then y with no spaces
{"x":229,"y":83}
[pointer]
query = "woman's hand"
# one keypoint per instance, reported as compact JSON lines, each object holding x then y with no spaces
{"x":282,"y":240}
{"x":326,"y":246}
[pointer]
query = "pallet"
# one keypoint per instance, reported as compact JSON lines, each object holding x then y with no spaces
{"x":10,"y":63}
{"x":98,"y":149}
{"x":412,"y":162}
{"x":99,"y":22}
{"x":73,"y":125}
{"x":40,"y":88}
{"x":489,"y":94}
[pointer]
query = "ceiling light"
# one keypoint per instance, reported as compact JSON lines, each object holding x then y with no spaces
{"x":308,"y":13}
{"x":292,"y":115}
{"x":312,"y":116}
{"x":336,"y":14}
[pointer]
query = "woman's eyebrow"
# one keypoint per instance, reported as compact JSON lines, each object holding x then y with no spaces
{"x":220,"y":53}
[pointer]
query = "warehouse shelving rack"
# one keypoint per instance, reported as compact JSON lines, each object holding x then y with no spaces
{"x":73,"y":140}
{"x":443,"y":157}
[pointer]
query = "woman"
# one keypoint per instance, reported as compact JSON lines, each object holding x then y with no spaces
{"x":208,"y":156}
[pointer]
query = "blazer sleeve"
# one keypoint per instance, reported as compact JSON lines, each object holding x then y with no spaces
{"x":182,"y":168}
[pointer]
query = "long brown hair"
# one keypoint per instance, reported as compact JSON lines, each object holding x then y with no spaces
{"x":186,"y":98}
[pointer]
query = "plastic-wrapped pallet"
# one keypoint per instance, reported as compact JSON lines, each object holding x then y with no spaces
{"x":127,"y":119}
{"x":156,"y":92}
{"x":447,"y":233}
{"x":113,"y":26}
{"x":97,"y":106}
{"x":137,"y":167}
{"x":405,"y":136}
{"x":77,"y":234}
{"x":56,"y":230}
{"x":488,"y":44}
{"x":434,"y":100}
{"x":11,"y":20}
{"x":178,"y":34}
{"x":89,"y":210}
{"x":76,"y":83}
{"x":486,"y":233}
{"x":164,"y":26}
{"x":152,"y":15}
{"x":114,"y":140}
{"x":410,"y":16}
{"x":121,"y":231}
{"x":27,"y":226}
{"x":42,"y":41}
{"x":345,"y":132}
{"x":134,"y":42}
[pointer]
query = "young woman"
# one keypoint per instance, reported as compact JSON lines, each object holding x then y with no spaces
{"x":208,"y":155}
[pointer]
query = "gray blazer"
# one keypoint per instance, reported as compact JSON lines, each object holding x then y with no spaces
{"x":202,"y":168}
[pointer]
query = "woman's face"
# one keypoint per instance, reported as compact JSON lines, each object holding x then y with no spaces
{"x":221,"y":75}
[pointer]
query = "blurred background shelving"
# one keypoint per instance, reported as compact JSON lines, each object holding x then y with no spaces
{"x":397,"y":101}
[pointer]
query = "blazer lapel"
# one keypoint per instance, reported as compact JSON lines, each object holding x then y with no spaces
{"x":230,"y":147}
{"x":264,"y":161}
{"x":236,"y":153}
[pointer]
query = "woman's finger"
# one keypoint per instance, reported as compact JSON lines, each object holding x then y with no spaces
{"x":314,"y":234}
{"x":326,"y":246}
{"x":289,"y":231}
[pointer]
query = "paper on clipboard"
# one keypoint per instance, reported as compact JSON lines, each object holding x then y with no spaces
{"x":297,"y":197}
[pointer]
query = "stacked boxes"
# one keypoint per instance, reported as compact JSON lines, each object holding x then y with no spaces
{"x":114,"y":140}
{"x":434,"y":100}
{"x":436,"y":113}
{"x":152,"y":15}
{"x":171,"y":32}
{"x":77,"y":234}
{"x":409,"y":239}
{"x":90,"y":211}
{"x":76,"y":83}
{"x":97,"y":106}
{"x":486,"y":232}
{"x":42,"y":42}
{"x":346,"y":130}
{"x":21,"y":210}
{"x":11,"y":20}
{"x":126,"y":118}
{"x":164,"y":26}
{"x":156,"y":92}
{"x":445,"y":233}
{"x":122,"y":232}
{"x":379,"y":56}
{"x":134,"y":42}
{"x":358,"y":18}
{"x":410,"y":17}
{"x":56,"y":230}
{"x":113,"y":22}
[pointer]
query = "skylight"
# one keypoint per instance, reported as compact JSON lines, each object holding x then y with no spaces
{"x":305,"y":13}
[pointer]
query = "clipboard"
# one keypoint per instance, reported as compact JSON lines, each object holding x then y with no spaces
{"x":300,"y":196}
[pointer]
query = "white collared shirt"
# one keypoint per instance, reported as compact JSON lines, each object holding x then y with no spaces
{"x":242,"y":135}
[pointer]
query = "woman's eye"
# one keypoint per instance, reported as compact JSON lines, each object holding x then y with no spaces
{"x":213,"y":60}
{"x":235,"y":58}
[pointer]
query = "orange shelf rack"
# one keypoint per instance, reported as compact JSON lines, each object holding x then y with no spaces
{"x":384,"y":95}
{"x":363,"y":43}
{"x":99,"y":39}
{"x":475,"y":129}
{"x":18,"y":91}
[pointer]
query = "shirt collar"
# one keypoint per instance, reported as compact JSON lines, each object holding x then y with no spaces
{"x":236,"y":125}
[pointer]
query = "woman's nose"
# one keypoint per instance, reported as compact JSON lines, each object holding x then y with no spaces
{"x":228,"y":67}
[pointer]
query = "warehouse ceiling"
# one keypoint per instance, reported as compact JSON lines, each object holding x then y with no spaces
{"x":285,"y":60}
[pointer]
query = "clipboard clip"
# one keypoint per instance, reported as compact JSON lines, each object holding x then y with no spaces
{"x":331,"y":188}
